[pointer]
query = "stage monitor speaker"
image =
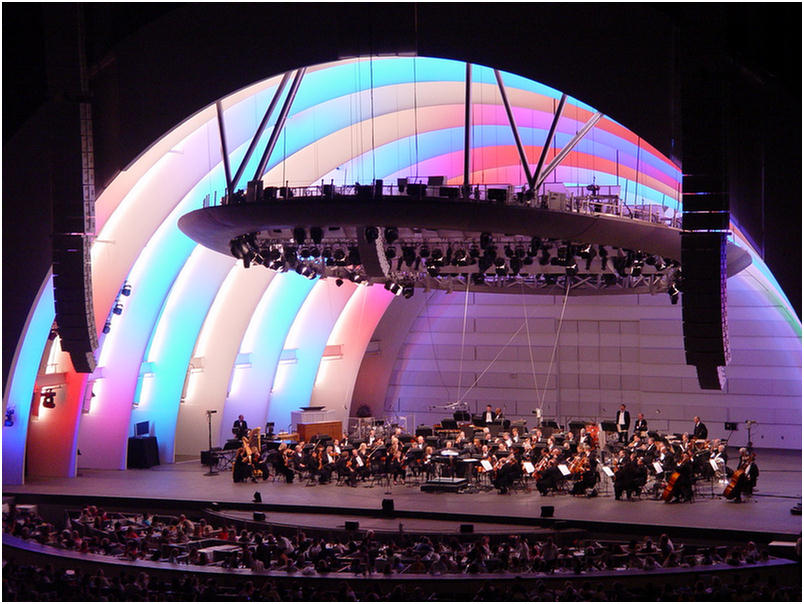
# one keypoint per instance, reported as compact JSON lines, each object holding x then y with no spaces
{"x":259,"y":516}
{"x":351,"y":525}
{"x":388,"y":506}
{"x":467,"y":528}
{"x":548,"y":511}
{"x":730,"y":426}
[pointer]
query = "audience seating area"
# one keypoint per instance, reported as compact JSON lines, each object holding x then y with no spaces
{"x":222,"y":562}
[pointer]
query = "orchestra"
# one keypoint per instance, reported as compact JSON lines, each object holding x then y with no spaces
{"x":509,"y":457}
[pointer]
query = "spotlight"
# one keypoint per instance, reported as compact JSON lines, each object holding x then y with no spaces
{"x":305,"y":252}
{"x":309,"y":272}
{"x":515,"y":264}
{"x":290,"y":257}
{"x":395,"y":289}
{"x":535,"y":243}
{"x":390,"y":253}
{"x":437,"y":256}
{"x":408,"y":255}
{"x":299,"y":234}
{"x":407,"y":290}
{"x":433,"y":270}
{"x":316,"y":234}
{"x":338,"y":281}
{"x":391,"y":234}
{"x":424,"y":251}
{"x":388,"y":284}
{"x":339,"y":256}
{"x":459,"y":258}
{"x":126,"y":291}
{"x":107,"y":327}
{"x":49,"y":397}
{"x":118,"y":309}
{"x":371,"y":233}
{"x":572,"y":270}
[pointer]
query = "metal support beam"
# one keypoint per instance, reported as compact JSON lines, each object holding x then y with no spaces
{"x":260,"y":129}
{"x":566,"y":150}
{"x":522,"y":157}
{"x":280,"y":122}
{"x":550,"y":134}
{"x":224,"y":150}
{"x":467,"y":129}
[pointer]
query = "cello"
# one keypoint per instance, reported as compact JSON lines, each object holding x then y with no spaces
{"x":728,"y":492}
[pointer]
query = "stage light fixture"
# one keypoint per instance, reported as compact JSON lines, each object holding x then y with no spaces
{"x":371,"y":233}
{"x":299,"y":235}
{"x":572,"y":270}
{"x":126,"y":291}
{"x":118,"y":309}
{"x":316,"y":234}
{"x":107,"y":327}
{"x":309,"y":272}
{"x":391,"y":234}
{"x":424,"y":252}
{"x":460,"y":258}
{"x":338,"y":281}
{"x":9,"y":421}
{"x":390,"y":253}
{"x":304,"y":252}
{"x":49,"y":399}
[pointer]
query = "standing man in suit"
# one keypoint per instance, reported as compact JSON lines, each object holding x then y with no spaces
{"x":641,"y":424}
{"x":699,"y":431}
{"x":623,"y":420}
{"x":240,"y":427}
{"x":488,"y":415}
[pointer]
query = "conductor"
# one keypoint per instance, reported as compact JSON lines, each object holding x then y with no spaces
{"x":240,"y":427}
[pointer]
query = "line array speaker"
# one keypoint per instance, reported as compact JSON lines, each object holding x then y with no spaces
{"x":72,"y":287}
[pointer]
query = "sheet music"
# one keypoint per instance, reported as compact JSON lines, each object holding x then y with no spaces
{"x":486,"y":464}
{"x":564,"y":469}
{"x":529,"y":467}
{"x":359,"y":461}
{"x":714,"y":465}
{"x":608,"y":471}
{"x":658,"y":467}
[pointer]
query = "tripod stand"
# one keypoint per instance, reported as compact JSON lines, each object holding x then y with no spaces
{"x":212,"y":458}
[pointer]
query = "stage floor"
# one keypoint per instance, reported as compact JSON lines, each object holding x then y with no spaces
{"x":778,"y":489}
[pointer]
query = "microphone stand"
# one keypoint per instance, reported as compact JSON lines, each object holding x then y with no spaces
{"x":212,"y":458}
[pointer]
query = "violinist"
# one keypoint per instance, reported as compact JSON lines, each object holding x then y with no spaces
{"x":584,"y":472}
{"x":395,"y":467}
{"x":515,"y":437}
{"x":348,"y":467}
{"x":336,"y":446}
{"x":360,"y":460}
{"x":635,"y":443}
{"x":427,"y":463}
{"x":371,"y":437}
{"x":650,"y":450}
{"x":259,"y":465}
{"x":505,"y":473}
{"x":328,"y":462}
{"x":550,"y":477}
{"x":584,"y":438}
{"x":282,"y":460}
{"x":242,"y":469}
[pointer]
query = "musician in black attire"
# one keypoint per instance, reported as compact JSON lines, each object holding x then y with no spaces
{"x":506,"y":474}
{"x":488,"y":415}
{"x":329,"y":462}
{"x":700,"y":431}
{"x":280,"y":461}
{"x":682,"y":488}
{"x":240,"y":427}
{"x":641,"y":424}
{"x":747,"y":480}
{"x":550,"y":478}
{"x":242,"y":469}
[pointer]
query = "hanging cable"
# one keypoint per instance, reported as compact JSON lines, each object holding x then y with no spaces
{"x":463,"y":336}
{"x":530,"y":346}
{"x":416,"y":117}
{"x":432,"y":345}
{"x":555,"y":345}
{"x":494,"y":360}
{"x":371,"y":83}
